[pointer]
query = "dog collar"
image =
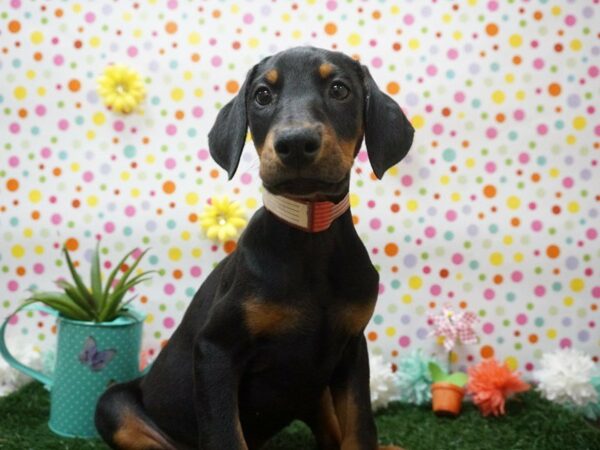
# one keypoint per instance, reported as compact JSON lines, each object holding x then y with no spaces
{"x":308,"y":216}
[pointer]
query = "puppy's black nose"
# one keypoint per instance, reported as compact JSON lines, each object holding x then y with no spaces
{"x":298,"y":147}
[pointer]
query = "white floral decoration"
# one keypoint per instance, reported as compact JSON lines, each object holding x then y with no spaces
{"x":382,"y":382}
{"x":565,"y":377}
{"x":11,"y":379}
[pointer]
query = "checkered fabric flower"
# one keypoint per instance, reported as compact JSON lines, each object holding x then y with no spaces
{"x":454,"y":327}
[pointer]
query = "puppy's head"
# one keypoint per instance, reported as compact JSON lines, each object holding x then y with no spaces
{"x":308,"y":110}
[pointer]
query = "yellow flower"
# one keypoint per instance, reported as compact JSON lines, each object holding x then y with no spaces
{"x":222,"y":219}
{"x":121,"y":88}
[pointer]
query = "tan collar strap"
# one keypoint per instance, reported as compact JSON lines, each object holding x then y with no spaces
{"x":307,"y":216}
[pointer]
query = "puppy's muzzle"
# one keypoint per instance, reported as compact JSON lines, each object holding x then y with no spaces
{"x":297,"y":147}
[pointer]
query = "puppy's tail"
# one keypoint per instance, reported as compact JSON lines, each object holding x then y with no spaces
{"x":123,"y":423}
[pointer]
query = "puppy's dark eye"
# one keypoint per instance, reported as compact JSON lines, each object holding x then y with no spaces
{"x":339,"y":90}
{"x":263,"y":96}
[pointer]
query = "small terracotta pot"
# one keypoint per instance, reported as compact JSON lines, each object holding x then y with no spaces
{"x":446,"y":398}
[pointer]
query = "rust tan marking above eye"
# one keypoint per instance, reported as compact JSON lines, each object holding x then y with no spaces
{"x":271,"y":76}
{"x":355,"y":317}
{"x":265,"y":318}
{"x":325,"y":70}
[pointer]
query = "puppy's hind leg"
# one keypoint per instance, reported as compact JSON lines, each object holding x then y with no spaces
{"x":123,"y":423}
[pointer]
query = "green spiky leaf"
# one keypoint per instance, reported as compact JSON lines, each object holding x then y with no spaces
{"x":95,"y":276}
{"x":81,"y":287}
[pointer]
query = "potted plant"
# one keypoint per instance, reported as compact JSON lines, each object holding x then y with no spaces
{"x":447,"y":389}
{"x":98,"y":340}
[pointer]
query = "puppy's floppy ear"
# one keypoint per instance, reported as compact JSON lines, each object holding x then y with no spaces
{"x":227,"y":136}
{"x":388,"y":133}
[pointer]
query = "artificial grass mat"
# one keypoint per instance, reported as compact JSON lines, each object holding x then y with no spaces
{"x":531,"y":423}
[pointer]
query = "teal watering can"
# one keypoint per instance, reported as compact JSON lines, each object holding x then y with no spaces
{"x":89,"y":357}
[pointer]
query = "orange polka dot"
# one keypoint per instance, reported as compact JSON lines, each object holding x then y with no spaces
{"x":177,"y":274}
{"x":20,"y":271}
{"x":391,"y":249}
{"x":533,"y":338}
{"x":38,"y":56}
{"x":553,"y":251}
{"x":74,"y":85}
{"x":168,"y":187}
{"x":489,"y":191}
{"x":232,"y":86}
{"x":491,"y":29}
{"x":372,"y":336}
{"x":171,"y":27}
{"x":554,"y":89}
{"x":72,"y":244}
{"x":214,"y":173}
{"x":12,"y":184}
{"x":393,"y":88}
{"x":14,"y":26}
{"x":330,"y":28}
{"x":538,"y":15}
{"x":229,"y":246}
{"x":216,"y":13}
{"x":487,"y":351}
{"x":58,"y":12}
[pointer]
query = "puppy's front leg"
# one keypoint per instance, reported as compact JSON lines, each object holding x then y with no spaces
{"x":219,"y":359}
{"x":352,"y":399}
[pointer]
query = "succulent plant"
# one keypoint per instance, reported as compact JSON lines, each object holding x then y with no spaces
{"x":97,"y":303}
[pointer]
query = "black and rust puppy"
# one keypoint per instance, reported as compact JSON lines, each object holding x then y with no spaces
{"x":275,"y":333}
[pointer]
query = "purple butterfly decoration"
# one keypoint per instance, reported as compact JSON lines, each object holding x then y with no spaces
{"x":92,"y":357}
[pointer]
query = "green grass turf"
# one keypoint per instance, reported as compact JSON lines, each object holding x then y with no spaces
{"x":531,"y":423}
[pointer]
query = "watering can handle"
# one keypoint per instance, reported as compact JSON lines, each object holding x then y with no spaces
{"x":10,"y":359}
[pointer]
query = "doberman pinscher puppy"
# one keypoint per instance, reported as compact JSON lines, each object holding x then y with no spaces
{"x":275,"y":333}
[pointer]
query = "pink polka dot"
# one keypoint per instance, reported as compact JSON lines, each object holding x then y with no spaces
{"x":516,"y":276}
{"x":539,"y":291}
{"x":523,"y":158}
{"x":488,"y":328}
{"x":197,"y":111}
{"x":593,"y":71}
{"x":38,"y":268}
{"x":492,"y":5}
{"x":452,"y":53}
{"x":431,"y":70}
{"x":457,"y":258}
{"x":567,"y":182}
{"x":331,"y":5}
{"x":596,"y":292}
{"x":248,"y":18}
{"x":536,"y":225}
{"x":438,"y":128}
{"x":132,"y":51}
{"x":362,"y":156}
{"x":40,"y":110}
{"x":88,"y":176}
{"x":90,"y":17}
{"x":14,"y":128}
{"x":404,"y":341}
{"x":375,"y":224}
{"x":195,"y":271}
{"x":63,"y":124}
{"x":169,"y":322}
{"x":491,"y":132}
{"x":58,"y":60}
{"x":13,"y":161}
{"x":565,"y":343}
{"x":171,"y":129}
{"x":246,"y":178}
{"x":436,"y":289}
{"x":169,"y":288}
{"x":521,"y":319}
{"x":56,"y":219}
{"x":538,"y":63}
{"x":408,"y":19}
{"x":203,"y":154}
{"x":489,"y":294}
{"x":130,"y":211}
{"x":451,"y":215}
{"x":376,"y":62}
{"x":381,"y":289}
{"x":542,"y":129}
{"x":570,"y":20}
{"x":170,"y":163}
{"x":13,"y":285}
{"x":118,"y":125}
{"x":459,"y":97}
{"x":216,"y":61}
{"x":519,"y":114}
{"x":591,"y":234}
{"x":430,"y":231}
{"x":490,"y":167}
{"x":109,"y":227}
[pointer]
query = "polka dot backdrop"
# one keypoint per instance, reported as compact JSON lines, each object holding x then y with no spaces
{"x":495,"y":210}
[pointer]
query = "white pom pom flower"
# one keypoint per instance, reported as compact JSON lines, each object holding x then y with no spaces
{"x":383,"y":383}
{"x":565,"y":377}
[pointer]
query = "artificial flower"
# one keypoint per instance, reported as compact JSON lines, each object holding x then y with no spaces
{"x":382,"y":383}
{"x":12,"y":379}
{"x":454,"y":327}
{"x":121,"y":88}
{"x":413,"y":378}
{"x":490,"y":384}
{"x":592,"y":409}
{"x":222,"y":219}
{"x":565,"y":377}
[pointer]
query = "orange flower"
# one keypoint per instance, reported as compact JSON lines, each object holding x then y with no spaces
{"x":490,"y":384}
